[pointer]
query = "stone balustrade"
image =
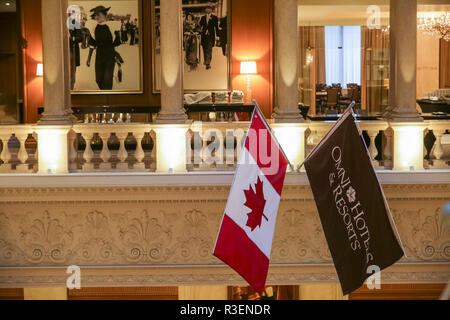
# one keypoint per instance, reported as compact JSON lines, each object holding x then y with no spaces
{"x":210,"y":146}
{"x":112,"y":147}
{"x":18,"y":149}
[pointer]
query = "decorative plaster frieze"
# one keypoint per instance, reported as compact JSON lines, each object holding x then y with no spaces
{"x":171,"y":227}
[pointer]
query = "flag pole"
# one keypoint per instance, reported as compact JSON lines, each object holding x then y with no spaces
{"x":273,"y":134}
{"x":386,"y":204}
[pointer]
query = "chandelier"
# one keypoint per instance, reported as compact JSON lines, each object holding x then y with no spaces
{"x":437,"y":26}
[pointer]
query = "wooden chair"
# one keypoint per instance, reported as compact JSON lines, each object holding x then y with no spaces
{"x":332,"y":98}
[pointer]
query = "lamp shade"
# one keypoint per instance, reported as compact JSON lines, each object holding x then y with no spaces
{"x":40,"y":70}
{"x":248,"y":67}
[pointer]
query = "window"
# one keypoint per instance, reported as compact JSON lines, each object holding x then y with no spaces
{"x":343,"y":55}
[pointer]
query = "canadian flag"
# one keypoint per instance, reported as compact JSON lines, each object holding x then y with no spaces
{"x":245,"y":237}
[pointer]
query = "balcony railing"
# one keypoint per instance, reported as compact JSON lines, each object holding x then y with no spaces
{"x":18,"y":149}
{"x":131,"y":147}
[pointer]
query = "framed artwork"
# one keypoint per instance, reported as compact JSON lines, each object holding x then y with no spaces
{"x":106,"y":46}
{"x":206,"y":45}
{"x":270,"y":293}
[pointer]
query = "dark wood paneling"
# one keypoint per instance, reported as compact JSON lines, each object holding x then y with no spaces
{"x":150,"y":293}
{"x":8,"y":32}
{"x":400,"y":292}
{"x":11,"y":294}
{"x":10,"y":63}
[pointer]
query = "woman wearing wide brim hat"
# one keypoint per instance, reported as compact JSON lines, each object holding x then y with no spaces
{"x":99,"y":9}
{"x":105,"y":46}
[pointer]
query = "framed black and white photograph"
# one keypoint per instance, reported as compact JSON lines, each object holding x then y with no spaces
{"x":105,"y":46}
{"x":206,"y":45}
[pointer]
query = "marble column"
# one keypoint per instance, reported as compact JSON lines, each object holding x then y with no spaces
{"x":172,"y":92}
{"x":286,"y":62}
{"x":55,"y":42}
{"x":403,"y":42}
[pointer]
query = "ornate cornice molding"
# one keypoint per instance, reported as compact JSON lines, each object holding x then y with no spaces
{"x":204,"y":275}
{"x":213,"y":193}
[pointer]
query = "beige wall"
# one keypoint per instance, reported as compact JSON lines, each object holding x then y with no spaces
{"x":427,"y":64}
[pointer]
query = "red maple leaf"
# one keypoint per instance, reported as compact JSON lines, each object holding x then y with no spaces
{"x":256,"y":202}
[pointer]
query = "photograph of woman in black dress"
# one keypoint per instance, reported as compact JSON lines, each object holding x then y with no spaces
{"x":104,"y":48}
{"x":103,"y":42}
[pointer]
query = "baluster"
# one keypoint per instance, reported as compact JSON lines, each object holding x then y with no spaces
{"x":105,"y":154}
{"x":387,"y":150}
{"x":88,"y":154}
{"x":198,"y":148}
{"x":229,"y":147}
{"x":437,"y":151}
{"x":189,"y":150}
{"x":139,"y":154}
{"x":213,"y":153}
{"x":23,"y":154}
{"x":36,"y":153}
{"x":5,"y":156}
{"x":72,"y":136}
{"x":122,"y":155}
{"x":372,"y":147}
{"x":203,"y":164}
{"x":153,"y":154}
{"x":240,"y":137}
{"x":219,"y":150}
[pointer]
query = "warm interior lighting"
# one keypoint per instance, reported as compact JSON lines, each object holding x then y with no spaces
{"x":408,"y":147}
{"x":171,"y":151}
{"x":40,"y":70}
{"x":53,"y":157}
{"x":436,"y":25}
{"x":292,"y":139}
{"x":248,"y":67}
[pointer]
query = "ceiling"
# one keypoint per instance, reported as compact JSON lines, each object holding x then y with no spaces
{"x":7,"y":5}
{"x":354,"y":12}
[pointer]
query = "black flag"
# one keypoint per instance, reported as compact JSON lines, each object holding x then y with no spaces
{"x":351,"y":205}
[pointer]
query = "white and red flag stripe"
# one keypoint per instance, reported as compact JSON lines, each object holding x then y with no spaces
{"x":245,"y":237}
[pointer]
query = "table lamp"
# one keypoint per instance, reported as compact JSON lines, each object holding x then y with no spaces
{"x":249,"y":68}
